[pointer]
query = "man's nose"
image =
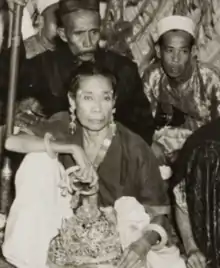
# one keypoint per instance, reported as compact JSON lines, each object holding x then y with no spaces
{"x":176,"y":56}
{"x":87,"y":42}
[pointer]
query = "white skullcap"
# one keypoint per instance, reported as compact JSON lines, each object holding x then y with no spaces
{"x":175,"y":23}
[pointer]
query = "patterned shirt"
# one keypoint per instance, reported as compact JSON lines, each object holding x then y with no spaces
{"x":198,"y":98}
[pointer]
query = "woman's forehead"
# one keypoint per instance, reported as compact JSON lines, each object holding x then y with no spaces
{"x":95,"y":84}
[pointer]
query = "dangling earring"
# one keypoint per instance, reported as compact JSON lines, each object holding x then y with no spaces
{"x":112,"y":122}
{"x":72,"y":125}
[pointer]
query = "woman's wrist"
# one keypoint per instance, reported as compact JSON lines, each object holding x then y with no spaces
{"x":62,"y":148}
{"x":156,"y":236}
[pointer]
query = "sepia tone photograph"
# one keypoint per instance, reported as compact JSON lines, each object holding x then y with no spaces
{"x":109,"y":133}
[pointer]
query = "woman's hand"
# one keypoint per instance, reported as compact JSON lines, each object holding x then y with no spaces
{"x":18,"y":2}
{"x":86,"y":175}
{"x":135,"y":255}
{"x":196,"y":260}
{"x":86,"y":172}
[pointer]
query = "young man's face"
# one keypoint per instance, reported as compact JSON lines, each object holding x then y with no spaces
{"x":175,"y":52}
{"x":82,"y":29}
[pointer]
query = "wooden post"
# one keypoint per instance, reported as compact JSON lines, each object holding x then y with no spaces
{"x":6,"y":173}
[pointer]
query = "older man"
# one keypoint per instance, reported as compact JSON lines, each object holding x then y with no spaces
{"x":184,"y":94}
{"x":45,"y":76}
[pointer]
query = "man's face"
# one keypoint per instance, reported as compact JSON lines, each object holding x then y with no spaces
{"x":82,"y":29}
{"x":175,"y":52}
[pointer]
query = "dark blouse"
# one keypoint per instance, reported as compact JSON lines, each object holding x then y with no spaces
{"x":128,"y":169}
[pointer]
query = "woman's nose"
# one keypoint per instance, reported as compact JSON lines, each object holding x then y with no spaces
{"x":97,"y":106}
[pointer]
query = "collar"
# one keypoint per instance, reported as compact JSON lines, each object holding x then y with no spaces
{"x":165,"y":80}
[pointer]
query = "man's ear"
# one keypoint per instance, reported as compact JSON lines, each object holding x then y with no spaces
{"x":194,"y":51}
{"x":62,"y":34}
{"x":157,"y":49}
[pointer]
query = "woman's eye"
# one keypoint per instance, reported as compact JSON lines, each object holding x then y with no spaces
{"x":108,"y":98}
{"x":87,"y":97}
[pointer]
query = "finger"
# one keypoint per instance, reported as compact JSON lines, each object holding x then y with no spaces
{"x":123,"y":258}
{"x":95,"y":178}
{"x":78,"y":175}
{"x":86,"y":175}
{"x":129,"y":260}
{"x":193,"y":262}
{"x":198,"y":260}
{"x":21,"y":3}
{"x":92,"y":175}
{"x":202,"y":261}
{"x":132,"y":261}
{"x":139,"y":264}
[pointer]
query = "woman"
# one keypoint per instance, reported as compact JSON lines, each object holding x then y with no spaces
{"x":91,"y":139}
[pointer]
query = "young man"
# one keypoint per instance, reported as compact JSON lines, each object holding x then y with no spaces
{"x":184,"y":94}
{"x":45,"y":76}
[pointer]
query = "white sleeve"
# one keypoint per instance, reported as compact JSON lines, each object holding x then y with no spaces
{"x":43,"y":4}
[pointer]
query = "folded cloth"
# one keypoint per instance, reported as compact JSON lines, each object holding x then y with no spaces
{"x":132,"y":220}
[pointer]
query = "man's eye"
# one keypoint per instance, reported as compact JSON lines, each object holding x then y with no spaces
{"x":94,"y":32}
{"x":169,"y":50}
{"x":77,"y":33}
{"x":185,"y":51}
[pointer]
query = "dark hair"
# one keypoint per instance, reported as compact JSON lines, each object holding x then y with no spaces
{"x":90,"y":69}
{"x":192,"y":41}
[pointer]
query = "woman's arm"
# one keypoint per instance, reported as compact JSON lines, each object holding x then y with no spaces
{"x":195,"y":258}
{"x":183,"y":223}
{"x":24,"y":143}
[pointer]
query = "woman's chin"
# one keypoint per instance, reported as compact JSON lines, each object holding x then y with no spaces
{"x":95,"y":127}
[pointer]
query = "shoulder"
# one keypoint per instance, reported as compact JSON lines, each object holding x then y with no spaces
{"x":208,"y":72}
{"x":134,"y":144}
{"x":210,"y":131}
{"x":57,"y":125}
{"x":152,"y":73}
{"x":117,"y":59}
{"x":61,"y":52}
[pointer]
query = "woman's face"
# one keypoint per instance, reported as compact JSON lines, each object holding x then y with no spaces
{"x":94,"y":102}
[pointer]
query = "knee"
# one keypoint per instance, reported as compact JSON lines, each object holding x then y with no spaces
{"x":36,"y":174}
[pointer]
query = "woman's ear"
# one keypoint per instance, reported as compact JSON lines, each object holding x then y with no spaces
{"x":61,"y":33}
{"x":157,"y":49}
{"x":72,"y":102}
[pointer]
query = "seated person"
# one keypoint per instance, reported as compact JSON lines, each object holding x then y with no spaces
{"x":197,"y":202}
{"x":184,"y":93}
{"x":105,"y":151}
{"x":45,"y":76}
